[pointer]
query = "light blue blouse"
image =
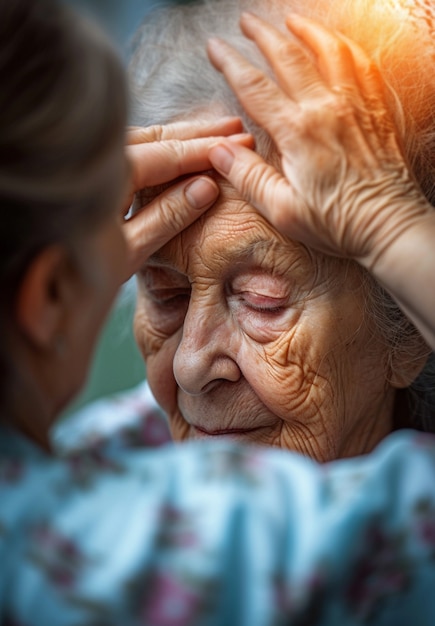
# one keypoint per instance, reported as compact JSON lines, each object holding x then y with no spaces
{"x":131,"y":532}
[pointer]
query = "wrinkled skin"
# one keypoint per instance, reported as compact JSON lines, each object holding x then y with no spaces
{"x":250,"y":335}
{"x":344,"y":186}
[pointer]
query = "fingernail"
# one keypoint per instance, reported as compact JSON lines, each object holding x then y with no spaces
{"x":246,"y":15}
{"x":245,"y":139}
{"x":216,"y":49}
{"x":216,"y":42}
{"x":221,"y":158}
{"x":201,"y":192}
{"x":293,"y":17}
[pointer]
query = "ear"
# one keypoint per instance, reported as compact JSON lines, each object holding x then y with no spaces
{"x":407,"y":363}
{"x":42,"y":300}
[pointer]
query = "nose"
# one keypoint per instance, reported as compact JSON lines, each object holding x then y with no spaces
{"x":207,"y":350}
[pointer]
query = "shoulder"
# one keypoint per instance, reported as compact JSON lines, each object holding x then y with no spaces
{"x":128,"y":419}
{"x":268,"y":533}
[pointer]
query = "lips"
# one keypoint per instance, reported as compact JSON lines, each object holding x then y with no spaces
{"x":224,"y":431}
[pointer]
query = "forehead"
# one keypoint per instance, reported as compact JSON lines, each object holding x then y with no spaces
{"x":231,"y":232}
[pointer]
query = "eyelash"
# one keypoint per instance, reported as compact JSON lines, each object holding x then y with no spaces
{"x":266,"y":310}
{"x":166,"y":298}
{"x":169,"y":300}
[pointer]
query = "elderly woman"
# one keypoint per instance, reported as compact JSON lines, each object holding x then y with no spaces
{"x":248,"y":333}
{"x":214,"y":533}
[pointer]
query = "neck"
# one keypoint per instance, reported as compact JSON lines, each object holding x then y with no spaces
{"x":27,"y":410}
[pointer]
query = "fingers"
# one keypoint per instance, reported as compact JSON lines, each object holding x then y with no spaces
{"x":260,"y":96}
{"x":334,"y":59}
{"x":367,"y":72}
{"x":185,"y":130}
{"x":259,"y":183}
{"x":349,"y":71}
{"x":166,"y":216}
{"x":295,"y":73}
{"x":342,"y":63}
{"x":161,"y":161}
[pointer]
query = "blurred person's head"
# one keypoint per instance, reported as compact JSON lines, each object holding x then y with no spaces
{"x":62,"y":173}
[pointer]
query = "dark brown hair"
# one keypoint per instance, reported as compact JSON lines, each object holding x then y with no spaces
{"x":62,"y":120}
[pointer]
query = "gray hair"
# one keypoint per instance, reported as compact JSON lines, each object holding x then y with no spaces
{"x":173,"y":79}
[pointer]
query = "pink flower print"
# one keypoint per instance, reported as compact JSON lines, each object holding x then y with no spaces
{"x":382,"y":571}
{"x":86,"y":465}
{"x":57,"y":555}
{"x":305,"y":602}
{"x":424,"y":520}
{"x":172,"y":603}
{"x":177,"y":529}
{"x":427,"y":531}
{"x":11,"y":471}
{"x":155,"y":431}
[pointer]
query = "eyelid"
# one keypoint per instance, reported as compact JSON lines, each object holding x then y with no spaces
{"x":165,"y":294}
{"x":263,"y":302}
{"x":262,"y":284}
{"x":160,"y":277}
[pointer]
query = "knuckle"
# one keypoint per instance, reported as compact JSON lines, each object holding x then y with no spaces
{"x":255,"y":182}
{"x":154,"y":133}
{"x":301,"y":125}
{"x":337,"y":48}
{"x":342,"y":105}
{"x":284,"y":51}
{"x":176,"y":151}
{"x":172,"y":211}
{"x":253,"y":81}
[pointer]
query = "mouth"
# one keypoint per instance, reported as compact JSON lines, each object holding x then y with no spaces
{"x":224,"y":432}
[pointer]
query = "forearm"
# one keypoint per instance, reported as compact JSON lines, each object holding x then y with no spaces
{"x":406,"y":269}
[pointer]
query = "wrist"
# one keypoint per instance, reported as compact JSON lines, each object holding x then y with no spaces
{"x":408,"y":224}
{"x":405,"y":265}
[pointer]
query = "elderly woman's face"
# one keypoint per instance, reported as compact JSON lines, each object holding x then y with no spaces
{"x":252,"y":336}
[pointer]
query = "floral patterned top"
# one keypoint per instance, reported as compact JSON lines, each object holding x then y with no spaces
{"x":127,"y":531}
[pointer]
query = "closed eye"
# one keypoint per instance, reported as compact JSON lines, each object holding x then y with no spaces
{"x":262,"y":303}
{"x":170,"y":297}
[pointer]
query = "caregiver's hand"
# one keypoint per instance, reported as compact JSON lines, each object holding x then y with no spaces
{"x":161,"y":154}
{"x":343,"y":176}
{"x":344,"y":187}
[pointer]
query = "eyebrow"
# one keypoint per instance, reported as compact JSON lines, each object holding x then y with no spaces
{"x":253,"y":251}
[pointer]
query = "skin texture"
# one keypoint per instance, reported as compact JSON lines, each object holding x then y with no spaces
{"x":68,"y":287}
{"x":346,"y":142}
{"x":65,"y":296}
{"x":250,"y":335}
{"x":335,"y":131}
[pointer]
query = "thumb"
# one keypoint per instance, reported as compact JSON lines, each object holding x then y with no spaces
{"x":258,"y":182}
{"x":167,"y":215}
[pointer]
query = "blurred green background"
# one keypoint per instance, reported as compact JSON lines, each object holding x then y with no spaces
{"x":117,"y":364}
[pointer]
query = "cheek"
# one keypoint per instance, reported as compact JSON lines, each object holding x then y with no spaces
{"x":158,"y":352}
{"x":147,"y":338}
{"x":282,"y":372}
{"x":303,"y":369}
